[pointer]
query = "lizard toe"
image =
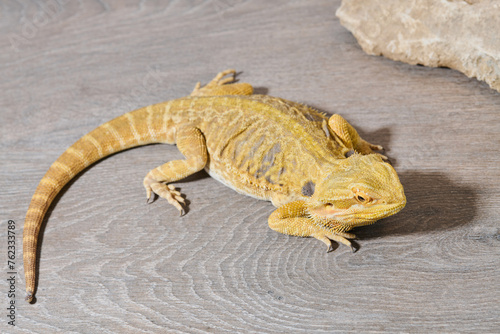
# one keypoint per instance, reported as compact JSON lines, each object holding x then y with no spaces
{"x":169,"y":193}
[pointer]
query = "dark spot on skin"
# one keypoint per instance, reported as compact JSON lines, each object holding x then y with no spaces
{"x":349,"y":153}
{"x":308,"y":189}
{"x":268,"y":179}
{"x":268,"y":161}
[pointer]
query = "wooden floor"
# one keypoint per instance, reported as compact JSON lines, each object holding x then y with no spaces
{"x":112,"y":264}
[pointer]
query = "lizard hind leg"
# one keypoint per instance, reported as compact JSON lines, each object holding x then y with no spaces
{"x":350,"y":137}
{"x":191,"y":143}
{"x":223,"y":86}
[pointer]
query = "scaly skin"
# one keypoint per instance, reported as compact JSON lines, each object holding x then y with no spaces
{"x":262,"y":146}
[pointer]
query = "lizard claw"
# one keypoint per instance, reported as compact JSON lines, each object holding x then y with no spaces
{"x":385,"y":158}
{"x":150,"y":199}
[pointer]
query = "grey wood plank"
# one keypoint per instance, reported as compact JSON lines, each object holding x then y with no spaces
{"x":110,"y":263}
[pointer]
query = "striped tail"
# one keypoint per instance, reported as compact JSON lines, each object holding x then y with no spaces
{"x":140,"y":127}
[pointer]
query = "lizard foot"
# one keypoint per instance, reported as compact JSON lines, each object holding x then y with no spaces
{"x":217,"y":81}
{"x":365,"y":147}
{"x":223,"y":86}
{"x":350,"y":137}
{"x":373,"y":147}
{"x":328,"y":236}
{"x":166,"y":191}
{"x":369,"y":149}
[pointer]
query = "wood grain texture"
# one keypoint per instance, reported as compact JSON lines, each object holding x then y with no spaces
{"x":110,"y":263}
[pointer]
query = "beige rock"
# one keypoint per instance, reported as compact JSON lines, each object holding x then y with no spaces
{"x":460,"y":34}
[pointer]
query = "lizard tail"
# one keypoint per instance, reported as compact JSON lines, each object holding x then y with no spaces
{"x":136,"y":128}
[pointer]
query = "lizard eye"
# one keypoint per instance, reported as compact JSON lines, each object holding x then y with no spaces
{"x":361,"y":196}
{"x":328,"y":205}
{"x":363,"y":199}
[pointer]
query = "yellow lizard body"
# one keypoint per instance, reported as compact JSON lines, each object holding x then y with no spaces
{"x":258,"y":145}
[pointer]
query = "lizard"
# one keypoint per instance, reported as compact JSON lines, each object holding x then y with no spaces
{"x":321,"y":176}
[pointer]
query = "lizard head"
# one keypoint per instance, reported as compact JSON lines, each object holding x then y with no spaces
{"x":358,"y":191}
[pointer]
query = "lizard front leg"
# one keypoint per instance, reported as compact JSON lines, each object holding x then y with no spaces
{"x":293,"y":219}
{"x":191,"y":143}
{"x":350,"y":137}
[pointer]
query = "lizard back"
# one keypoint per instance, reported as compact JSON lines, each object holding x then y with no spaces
{"x":258,"y":144}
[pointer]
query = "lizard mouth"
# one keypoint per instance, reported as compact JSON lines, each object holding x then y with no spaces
{"x":357,"y":215}
{"x":374,"y":212}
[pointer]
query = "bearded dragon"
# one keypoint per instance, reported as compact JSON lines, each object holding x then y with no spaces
{"x":322,"y":177}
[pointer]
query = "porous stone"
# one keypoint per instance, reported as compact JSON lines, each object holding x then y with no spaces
{"x":459,"y":34}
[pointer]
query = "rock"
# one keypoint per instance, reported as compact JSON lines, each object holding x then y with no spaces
{"x":460,"y":34}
